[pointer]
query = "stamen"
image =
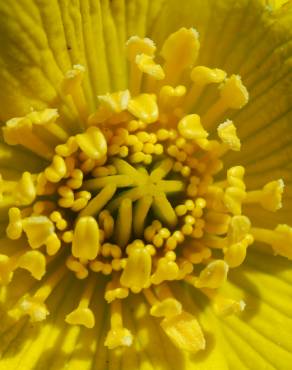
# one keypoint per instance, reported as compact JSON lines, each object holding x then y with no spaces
{"x":34,"y":306}
{"x":83,"y":315}
{"x":270,"y":197}
{"x":136,"y":274}
{"x":201,"y":77}
{"x":280,"y":239}
{"x":72,"y":86}
{"x":117,"y":336}
{"x":233,"y":95}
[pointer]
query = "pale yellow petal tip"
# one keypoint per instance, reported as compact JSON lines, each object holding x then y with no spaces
{"x":118,"y":337}
{"x":185,"y":332}
{"x":81,"y":316}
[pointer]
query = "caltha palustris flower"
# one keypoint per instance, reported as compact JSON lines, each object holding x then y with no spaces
{"x":138,"y":193}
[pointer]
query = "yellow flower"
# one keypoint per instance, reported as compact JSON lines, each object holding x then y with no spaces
{"x":145,"y":184}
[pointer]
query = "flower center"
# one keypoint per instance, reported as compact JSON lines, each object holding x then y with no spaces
{"x":135,"y":195}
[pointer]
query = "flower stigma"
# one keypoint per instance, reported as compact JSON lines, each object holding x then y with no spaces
{"x":140,"y":195}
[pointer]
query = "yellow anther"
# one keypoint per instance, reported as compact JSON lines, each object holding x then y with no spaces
{"x":270,"y":197}
{"x":73,"y":79}
{"x":213,"y":275}
{"x":147,"y":65}
{"x":217,"y":223}
{"x":53,"y":244}
{"x":136,"y":274}
{"x":80,"y":270}
{"x":124,"y":151}
{"x":67,"y":237}
{"x":222,"y":305}
{"x":117,"y":336}
{"x":14,"y":228}
{"x":25,"y":190}
{"x":20,"y":131}
{"x":190,"y":220}
{"x":233,"y":93}
{"x":239,"y":238}
{"x":149,"y":233}
{"x":31,"y":306}
{"x":67,"y":149}
{"x":110,"y":105}
{"x":34,"y":306}
{"x":136,"y":45}
{"x":189,"y":204}
{"x":137,"y":157}
{"x":162,"y":134}
{"x":88,"y":165}
{"x":185,"y":171}
{"x":235,"y":192}
{"x":76,"y":179}
{"x":93,"y":143}
{"x":201,"y":75}
{"x":280,"y":239}
{"x":38,"y":229}
{"x":169,"y":307}
{"x":106,"y":222}
{"x":164,"y":233}
{"x":114,"y":291}
{"x":72,"y":85}
{"x":183,"y":43}
{"x":148,"y":148}
{"x":184,"y":331}
{"x":86,"y":242}
{"x":197,"y":253}
{"x":34,"y":262}
{"x":190,"y":128}
{"x":144,"y":107}
{"x":57,"y":169}
{"x":185,"y":268}
{"x":83,"y":315}
{"x":170,"y":97}
{"x":178,"y":235}
{"x":187,"y":229}
{"x":115,"y":102}
{"x":167,"y":269}
{"x":181,"y":210}
{"x":82,"y":198}
{"x":227,"y":133}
